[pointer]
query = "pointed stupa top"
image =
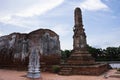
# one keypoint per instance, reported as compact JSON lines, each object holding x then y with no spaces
{"x":78,"y":16}
{"x":79,"y":37}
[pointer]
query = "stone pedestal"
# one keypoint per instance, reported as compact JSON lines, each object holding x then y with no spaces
{"x":33,"y":72}
{"x":33,"y":67}
{"x":33,"y":75}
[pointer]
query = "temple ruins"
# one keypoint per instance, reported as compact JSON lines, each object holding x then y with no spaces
{"x":81,"y":61}
{"x":16,"y":48}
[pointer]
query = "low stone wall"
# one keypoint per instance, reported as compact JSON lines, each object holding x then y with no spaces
{"x":90,"y":70}
{"x":96,"y":69}
{"x":47,"y":61}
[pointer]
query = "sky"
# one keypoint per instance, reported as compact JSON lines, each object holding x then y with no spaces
{"x":101,"y":19}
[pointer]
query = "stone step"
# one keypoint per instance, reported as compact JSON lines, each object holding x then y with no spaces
{"x":63,"y":70}
{"x":64,"y":73}
{"x":66,"y":68}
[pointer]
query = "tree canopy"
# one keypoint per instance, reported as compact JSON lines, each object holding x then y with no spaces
{"x":108,"y":54}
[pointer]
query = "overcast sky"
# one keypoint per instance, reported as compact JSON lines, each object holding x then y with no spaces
{"x":101,"y":19}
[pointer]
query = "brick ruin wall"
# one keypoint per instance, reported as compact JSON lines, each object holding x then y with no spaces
{"x":16,"y":47}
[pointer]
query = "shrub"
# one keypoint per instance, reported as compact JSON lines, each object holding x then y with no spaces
{"x":55,"y":68}
{"x":118,"y":69}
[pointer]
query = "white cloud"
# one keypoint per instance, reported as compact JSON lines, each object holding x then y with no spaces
{"x":65,"y":34}
{"x":12,"y":21}
{"x":105,"y":40}
{"x":1,"y":32}
{"x":15,"y":12}
{"x":107,"y":0}
{"x":39,"y":8}
{"x":62,"y":30}
{"x":93,"y":5}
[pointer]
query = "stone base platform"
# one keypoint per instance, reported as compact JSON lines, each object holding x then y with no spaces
{"x":33,"y":75}
{"x":95,"y":69}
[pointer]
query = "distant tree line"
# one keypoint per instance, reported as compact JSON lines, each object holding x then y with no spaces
{"x":108,"y":54}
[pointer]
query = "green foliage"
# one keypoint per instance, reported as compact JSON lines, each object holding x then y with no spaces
{"x":55,"y":68}
{"x":65,"y":54}
{"x":96,"y":53}
{"x":108,"y":54}
{"x":118,"y":69}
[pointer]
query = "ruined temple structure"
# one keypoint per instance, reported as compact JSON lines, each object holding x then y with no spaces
{"x":81,"y":61}
{"x":16,"y":48}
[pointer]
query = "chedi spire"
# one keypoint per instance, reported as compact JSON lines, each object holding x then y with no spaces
{"x":79,"y":37}
{"x":80,"y":60}
{"x":78,"y":16}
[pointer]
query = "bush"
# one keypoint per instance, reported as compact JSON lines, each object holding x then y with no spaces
{"x":55,"y":68}
{"x":118,"y":69}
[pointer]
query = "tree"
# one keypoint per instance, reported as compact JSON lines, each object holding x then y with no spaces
{"x":65,"y":54}
{"x":113,"y":53}
{"x":96,"y":53}
{"x":108,"y":54}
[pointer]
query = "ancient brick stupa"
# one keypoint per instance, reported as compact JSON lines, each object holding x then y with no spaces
{"x":81,"y":61}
